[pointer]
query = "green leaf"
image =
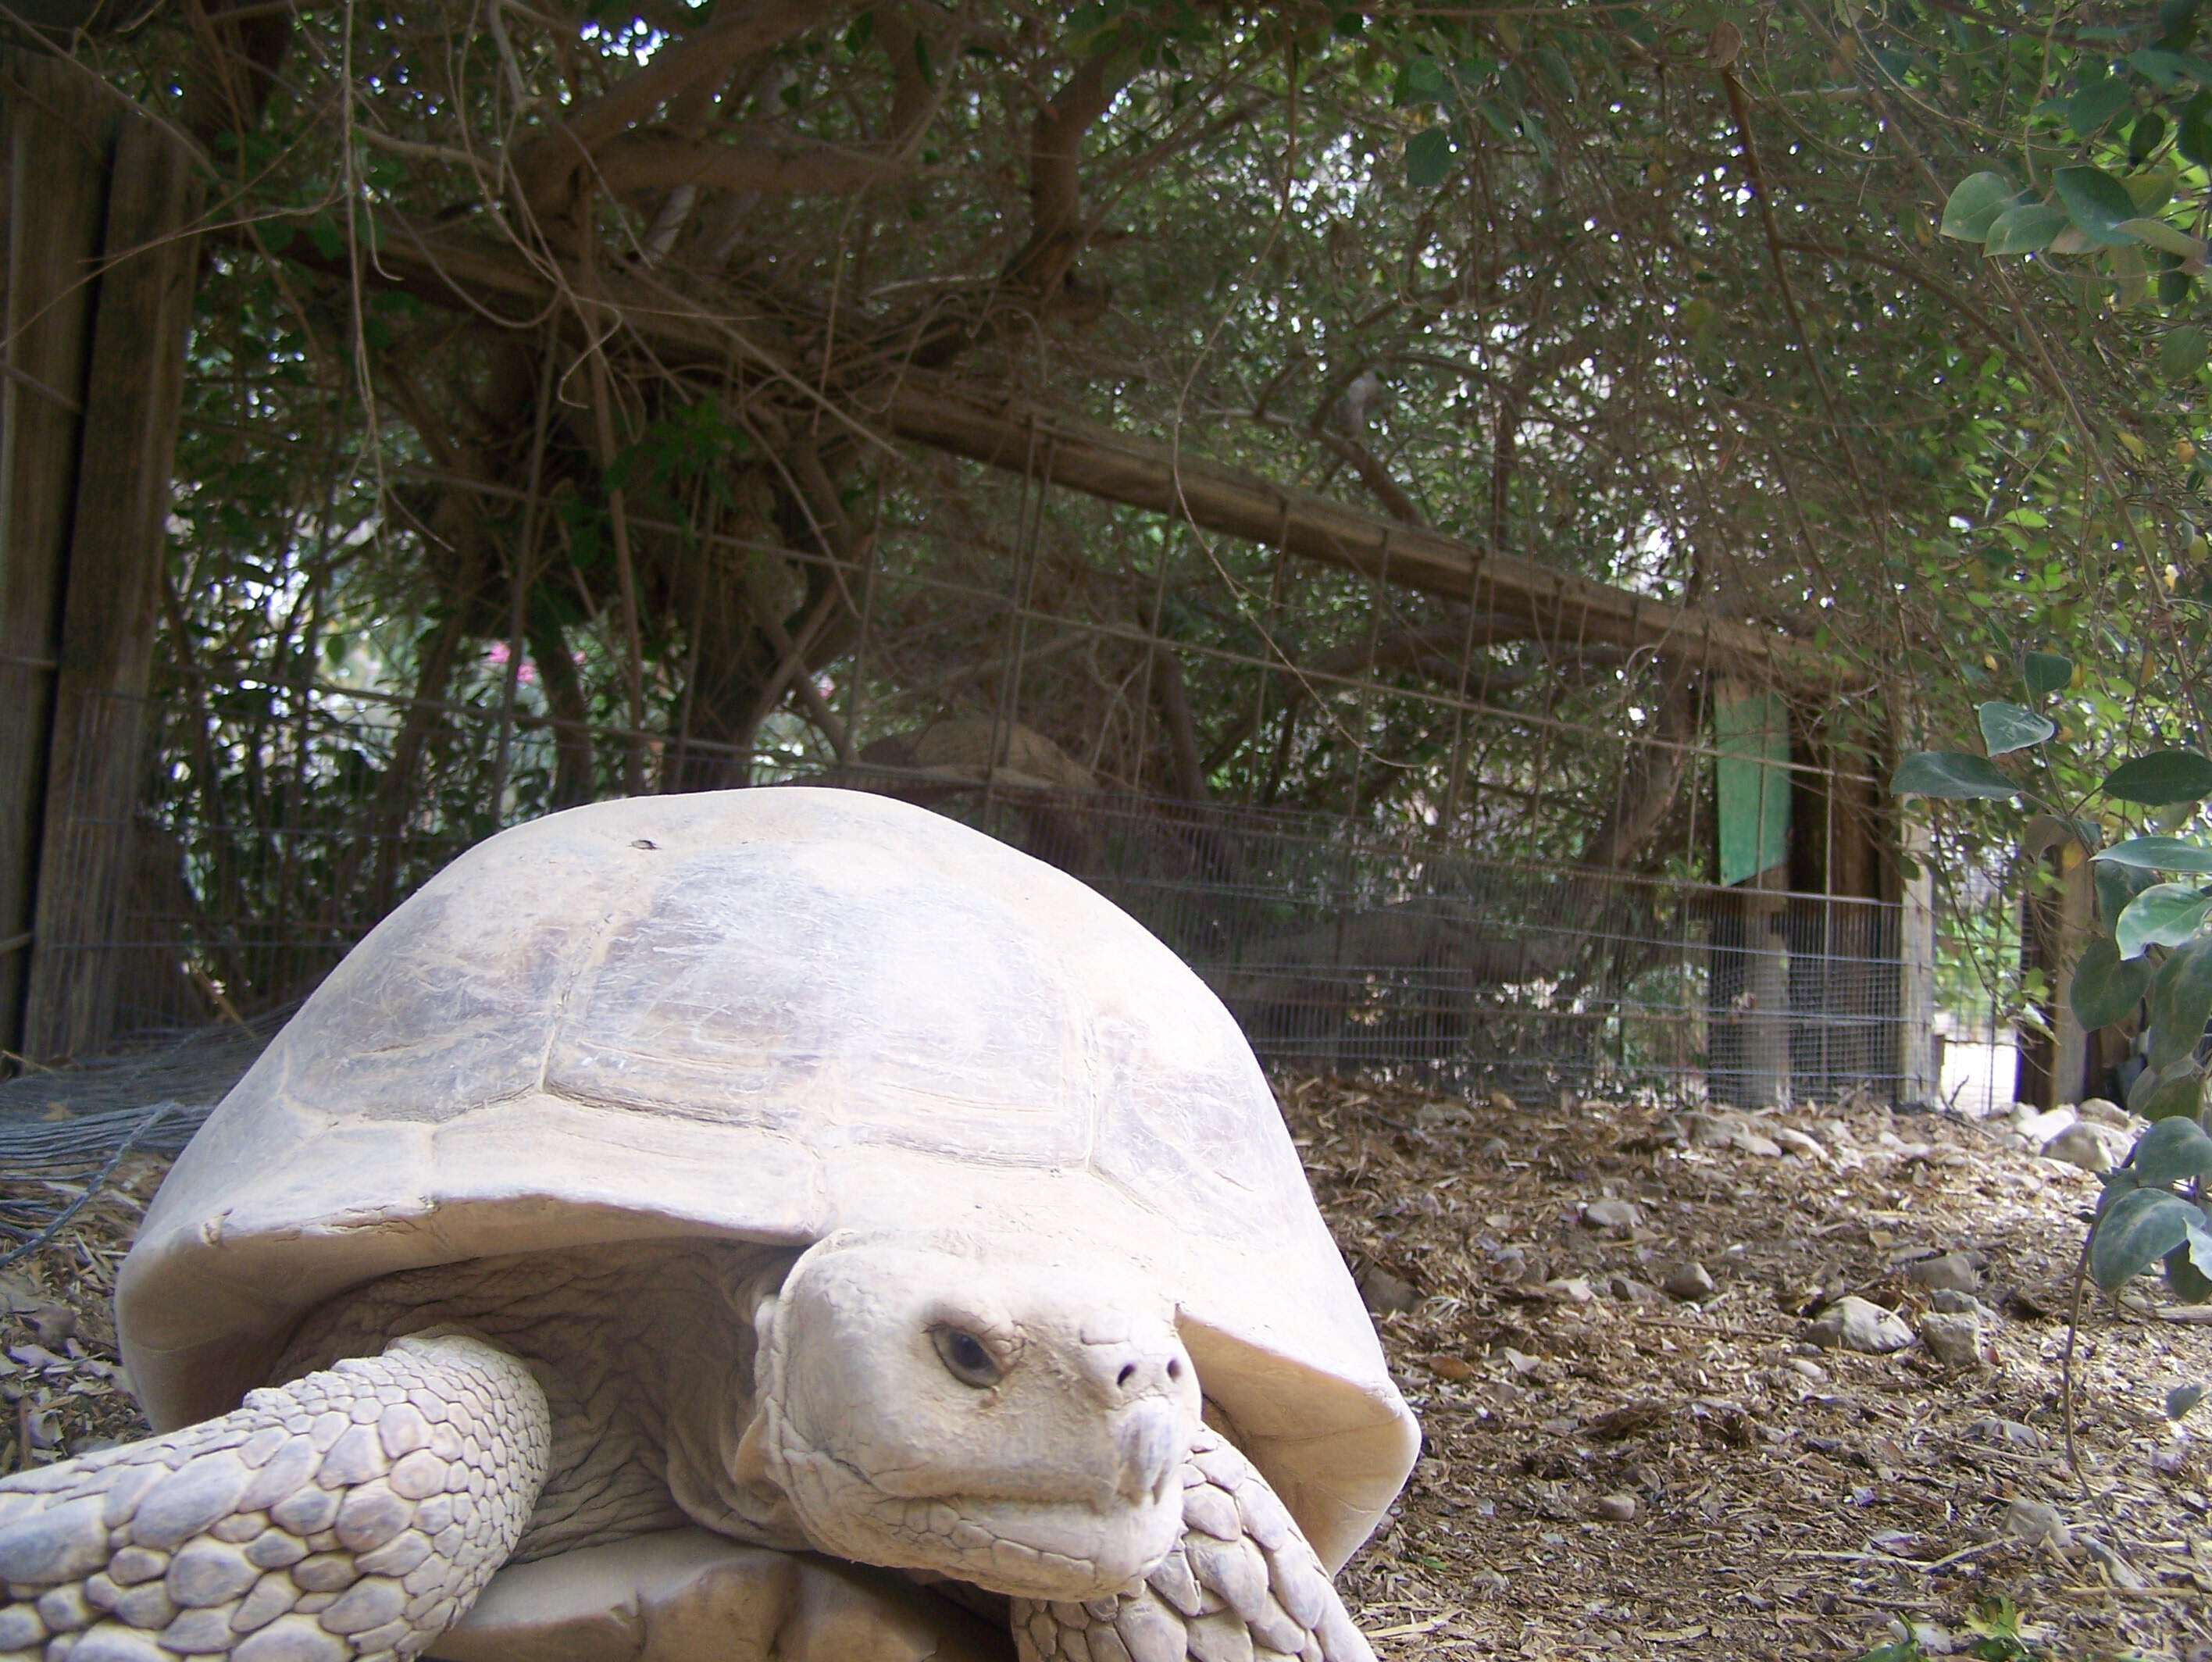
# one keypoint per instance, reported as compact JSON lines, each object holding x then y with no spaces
{"x":1422,"y":81}
{"x":1975,"y":203}
{"x":2158,"y":854}
{"x":2158,"y":1095}
{"x":2172,"y":1151}
{"x":2160,"y":778}
{"x":2190,"y":1285}
{"x":2180,"y":1000}
{"x":2182,"y":353}
{"x":2009,"y":727}
{"x":2165,"y":914}
{"x":2165,"y":238}
{"x":2105,"y":988}
{"x":323,"y":231}
{"x":2142,"y":1227}
{"x":2047,"y":673}
{"x":2097,"y":103}
{"x":2115,"y":886}
{"x":2194,"y":139}
{"x":2096,"y":203}
{"x":1428,"y":158}
{"x":2182,"y":1398}
{"x":2028,"y":229}
{"x":2147,"y":133}
{"x":1953,"y":774}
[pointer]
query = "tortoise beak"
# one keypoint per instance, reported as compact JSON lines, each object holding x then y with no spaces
{"x":1151,"y":1443}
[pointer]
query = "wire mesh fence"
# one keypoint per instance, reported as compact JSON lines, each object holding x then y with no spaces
{"x":1336,"y":944}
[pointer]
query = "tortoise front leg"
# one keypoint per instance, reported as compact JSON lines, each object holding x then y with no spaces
{"x":1242,"y":1585}
{"x":350,"y":1515}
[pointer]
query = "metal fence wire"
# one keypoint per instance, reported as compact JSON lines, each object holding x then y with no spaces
{"x":1335,"y":944}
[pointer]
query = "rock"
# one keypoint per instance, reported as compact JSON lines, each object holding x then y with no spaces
{"x":1799,"y":1144}
{"x":1629,"y":1290}
{"x":1708,"y":1130}
{"x":54,"y":1323}
{"x":1574,"y":1289}
{"x":1386,"y":1294}
{"x":2010,"y":1433}
{"x":2041,"y":1128}
{"x":1809,"y":1368}
{"x":2106,"y":1112}
{"x":1955,"y":1341}
{"x":1950,"y":1272}
{"x":1616,"y":1508}
{"x":1613,"y":1216}
{"x":2037,"y":1520}
{"x":2089,"y":1146}
{"x":1689,"y":1280}
{"x":1853,"y":1323}
{"x":1952,"y":1302}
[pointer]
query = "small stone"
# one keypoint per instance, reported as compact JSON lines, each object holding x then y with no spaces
{"x":54,"y":1323}
{"x":2037,"y":1520}
{"x":1575,"y":1290}
{"x":1613,"y":1216}
{"x":1853,"y":1323}
{"x":1991,"y":1429}
{"x":2082,"y":1144}
{"x":1691,"y":1282}
{"x":1386,"y":1294}
{"x":1951,"y":1303}
{"x":1629,"y":1290}
{"x":1616,"y":1508}
{"x":1809,"y":1368}
{"x":1951,"y":1271}
{"x":2106,"y":1112}
{"x":2041,"y":1128}
{"x":1955,"y":1341}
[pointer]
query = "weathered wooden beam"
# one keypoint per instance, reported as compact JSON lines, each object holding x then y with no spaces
{"x":126,"y":441}
{"x":453,"y":270}
{"x":54,"y":127}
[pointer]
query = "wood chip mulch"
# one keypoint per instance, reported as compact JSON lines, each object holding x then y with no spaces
{"x":1610,"y":1470}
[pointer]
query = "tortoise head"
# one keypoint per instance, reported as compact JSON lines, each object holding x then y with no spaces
{"x":964,"y":1408}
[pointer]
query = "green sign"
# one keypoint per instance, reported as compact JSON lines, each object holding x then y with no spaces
{"x":1752,"y":733}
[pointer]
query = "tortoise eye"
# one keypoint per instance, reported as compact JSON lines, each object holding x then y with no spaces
{"x":967,"y":1358}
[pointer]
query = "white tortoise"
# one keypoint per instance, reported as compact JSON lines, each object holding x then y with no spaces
{"x":790,"y":1167}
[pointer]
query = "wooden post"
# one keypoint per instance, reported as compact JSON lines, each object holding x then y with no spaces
{"x":53,"y":193}
{"x":1910,"y":883}
{"x":106,"y":584}
{"x":2054,"y":923}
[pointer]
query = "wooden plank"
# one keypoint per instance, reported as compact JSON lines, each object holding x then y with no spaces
{"x":56,"y":128}
{"x":133,"y":392}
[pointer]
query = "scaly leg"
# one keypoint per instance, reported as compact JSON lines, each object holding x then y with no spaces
{"x":1243,"y":1586}
{"x":348,"y":1516}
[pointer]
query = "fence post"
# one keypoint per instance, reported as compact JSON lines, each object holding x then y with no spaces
{"x":98,"y":572}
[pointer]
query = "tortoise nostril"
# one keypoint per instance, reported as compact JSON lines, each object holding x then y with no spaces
{"x":1175,"y":1367}
{"x":1128,"y":1371}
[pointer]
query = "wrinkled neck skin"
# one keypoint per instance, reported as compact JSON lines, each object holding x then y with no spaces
{"x":967,"y":1407}
{"x":646,"y":1353}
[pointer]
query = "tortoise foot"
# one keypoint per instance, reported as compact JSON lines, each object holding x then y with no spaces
{"x":1242,"y":1584}
{"x":350,"y":1516}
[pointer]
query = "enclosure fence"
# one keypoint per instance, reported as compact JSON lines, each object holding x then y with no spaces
{"x":1335,"y":944}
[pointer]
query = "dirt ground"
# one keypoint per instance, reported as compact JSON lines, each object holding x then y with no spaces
{"x":1611,"y":1470}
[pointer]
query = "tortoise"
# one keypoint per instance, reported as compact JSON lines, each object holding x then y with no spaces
{"x":792,"y":1167}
